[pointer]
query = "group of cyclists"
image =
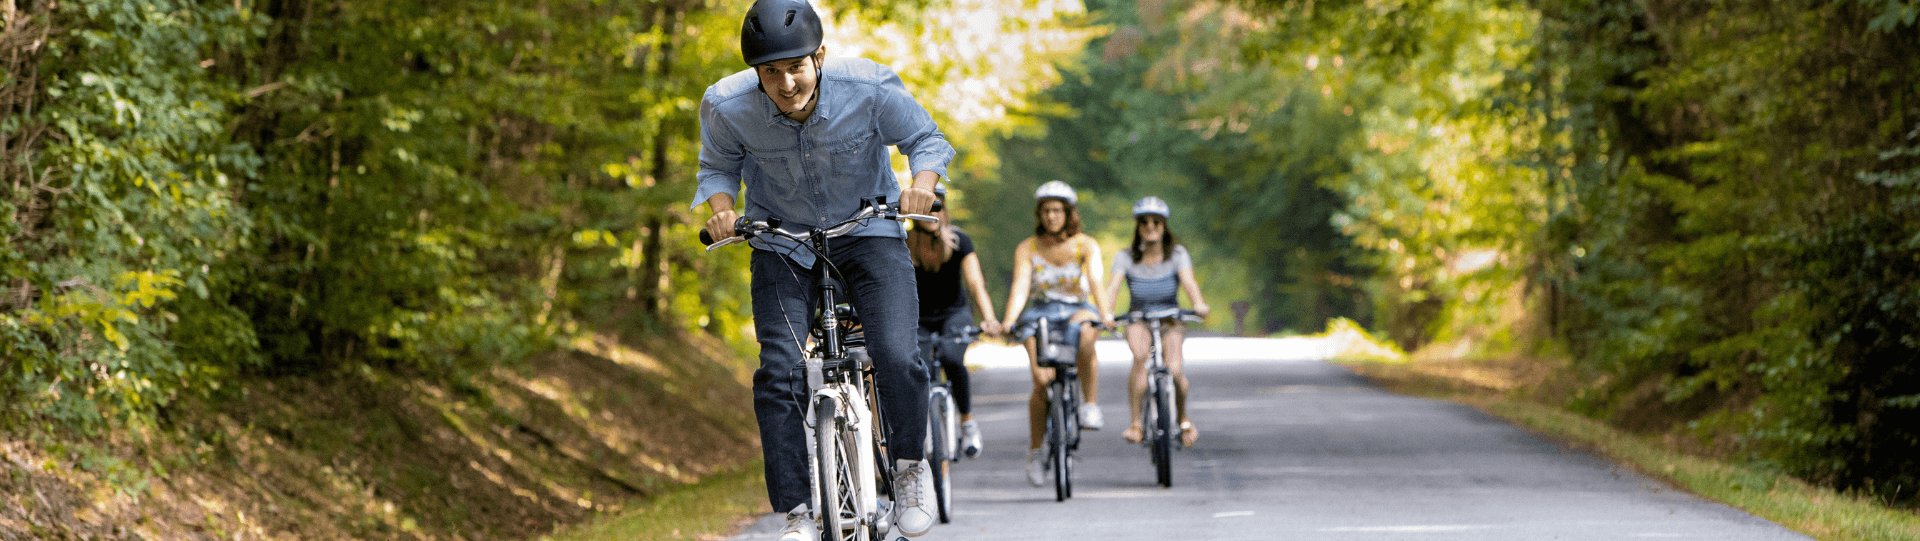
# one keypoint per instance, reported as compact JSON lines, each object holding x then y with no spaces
{"x":807,"y":136}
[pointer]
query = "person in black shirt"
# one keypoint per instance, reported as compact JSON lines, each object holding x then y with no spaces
{"x":943,"y":258}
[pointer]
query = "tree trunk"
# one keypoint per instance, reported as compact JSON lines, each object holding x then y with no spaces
{"x":654,"y":271}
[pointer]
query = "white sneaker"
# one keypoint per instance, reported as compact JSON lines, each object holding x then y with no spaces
{"x":800,"y":526}
{"x":912,"y":497}
{"x":970,"y":438}
{"x":1090,"y":417}
{"x":1037,"y":467}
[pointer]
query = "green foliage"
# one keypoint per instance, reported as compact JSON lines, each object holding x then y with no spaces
{"x":121,"y":200}
{"x":1236,"y":146}
{"x":1711,"y":206}
{"x":200,"y":190}
{"x":1742,"y":226}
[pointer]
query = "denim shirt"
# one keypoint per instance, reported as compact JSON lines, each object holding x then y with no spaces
{"x":817,"y":173}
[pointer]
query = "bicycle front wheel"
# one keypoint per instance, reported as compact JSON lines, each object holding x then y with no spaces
{"x":940,"y":452}
{"x":1163,"y":430}
{"x":1061,"y":434}
{"x":830,"y":466}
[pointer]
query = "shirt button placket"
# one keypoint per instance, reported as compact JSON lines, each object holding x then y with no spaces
{"x":819,"y":193}
{"x":816,"y":181}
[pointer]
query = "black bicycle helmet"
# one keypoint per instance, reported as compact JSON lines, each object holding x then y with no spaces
{"x":778,"y":30}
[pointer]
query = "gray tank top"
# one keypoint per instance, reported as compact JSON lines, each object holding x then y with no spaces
{"x":1156,"y":286}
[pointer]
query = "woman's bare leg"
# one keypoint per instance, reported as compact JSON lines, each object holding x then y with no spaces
{"x":1089,"y":366}
{"x":1140,"y":342}
{"x":1037,"y":402}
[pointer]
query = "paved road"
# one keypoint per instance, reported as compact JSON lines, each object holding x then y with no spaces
{"x":1292,"y":447}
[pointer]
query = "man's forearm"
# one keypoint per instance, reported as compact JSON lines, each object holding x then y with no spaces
{"x":926,"y":180}
{"x":720,"y":202}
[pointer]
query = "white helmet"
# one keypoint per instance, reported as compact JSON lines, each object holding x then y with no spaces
{"x":1151,"y":205}
{"x":1058,"y":190}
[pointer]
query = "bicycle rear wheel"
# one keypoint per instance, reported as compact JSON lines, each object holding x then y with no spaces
{"x":1163,"y":429}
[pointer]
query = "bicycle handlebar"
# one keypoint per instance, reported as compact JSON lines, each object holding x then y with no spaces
{"x":967,"y":334}
{"x":1164,"y":313}
{"x":745,"y":229}
{"x":1025,"y":330}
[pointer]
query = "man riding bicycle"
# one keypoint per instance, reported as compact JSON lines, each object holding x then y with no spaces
{"x":808,"y":138}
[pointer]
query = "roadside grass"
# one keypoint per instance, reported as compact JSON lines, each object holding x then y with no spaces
{"x":706,"y":511}
{"x":1817,"y":512}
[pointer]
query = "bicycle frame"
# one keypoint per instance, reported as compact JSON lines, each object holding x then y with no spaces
{"x":1157,"y":402}
{"x":940,"y":390}
{"x":1063,"y":402}
{"x":943,"y":423}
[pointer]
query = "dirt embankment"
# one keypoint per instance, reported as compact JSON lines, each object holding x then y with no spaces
{"x":380,"y":455}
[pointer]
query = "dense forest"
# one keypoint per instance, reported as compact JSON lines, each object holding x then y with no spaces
{"x":1707,"y":213}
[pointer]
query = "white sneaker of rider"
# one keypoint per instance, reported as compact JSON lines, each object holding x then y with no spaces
{"x":912,"y":497}
{"x":1037,"y":467}
{"x":800,"y":526}
{"x":970,"y":436}
{"x":1090,"y":418}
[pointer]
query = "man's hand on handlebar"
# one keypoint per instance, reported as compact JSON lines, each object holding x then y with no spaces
{"x":916,"y":201}
{"x":918,"y":197}
{"x":720,"y":225}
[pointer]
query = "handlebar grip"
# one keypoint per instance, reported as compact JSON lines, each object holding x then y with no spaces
{"x":706,"y":239}
{"x":937,"y":206}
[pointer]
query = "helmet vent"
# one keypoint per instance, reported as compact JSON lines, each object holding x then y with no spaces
{"x":755,"y":23}
{"x":790,"y":16}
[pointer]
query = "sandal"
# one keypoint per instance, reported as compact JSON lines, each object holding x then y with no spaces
{"x":1188,"y":434}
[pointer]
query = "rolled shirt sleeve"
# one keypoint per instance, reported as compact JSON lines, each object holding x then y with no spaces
{"x":905,"y":124}
{"x":721,"y":155}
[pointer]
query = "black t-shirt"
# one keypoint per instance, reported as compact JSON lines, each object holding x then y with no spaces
{"x":940,"y":291}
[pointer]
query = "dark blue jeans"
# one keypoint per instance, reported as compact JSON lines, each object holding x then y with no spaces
{"x":878,"y":274}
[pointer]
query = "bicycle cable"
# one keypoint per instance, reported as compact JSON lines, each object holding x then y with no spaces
{"x":831,"y":269}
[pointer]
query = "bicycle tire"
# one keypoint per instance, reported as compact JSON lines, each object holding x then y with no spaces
{"x":1150,"y":416}
{"x":829,"y":466}
{"x":942,"y":485}
{"x":940,"y":452}
{"x":1073,"y":413}
{"x":1163,"y":430}
{"x":1062,"y":455}
{"x":1073,"y":429}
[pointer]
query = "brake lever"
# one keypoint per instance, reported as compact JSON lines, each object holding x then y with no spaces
{"x":740,"y":233}
{"x":729,"y":241}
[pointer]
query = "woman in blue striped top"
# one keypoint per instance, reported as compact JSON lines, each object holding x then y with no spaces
{"x":1155,"y":270}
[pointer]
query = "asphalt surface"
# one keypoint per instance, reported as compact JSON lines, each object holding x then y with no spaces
{"x":1292,"y":447}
